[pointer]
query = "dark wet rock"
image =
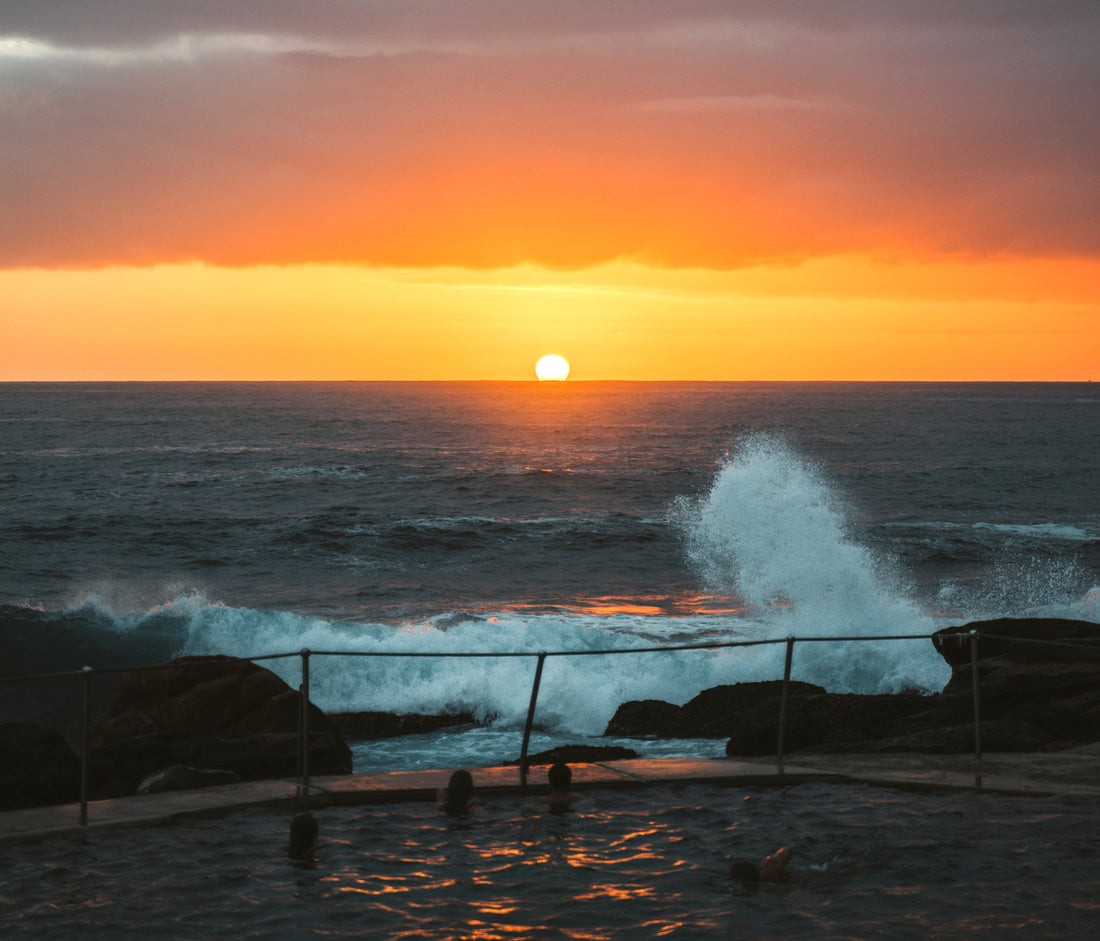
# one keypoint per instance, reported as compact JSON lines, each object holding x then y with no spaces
{"x":208,"y":712}
{"x":836,"y":721}
{"x":1021,"y":640}
{"x":371,"y":726}
{"x":646,"y":717}
{"x":186,"y":778}
{"x":37,"y":767}
{"x":1039,"y":675}
{"x":1039,"y":690}
{"x":578,"y":754}
{"x":715,"y":713}
{"x":747,"y":714}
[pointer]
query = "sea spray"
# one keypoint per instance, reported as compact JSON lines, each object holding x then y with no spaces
{"x":1025,"y":583}
{"x":578,"y":693}
{"x":773,"y":529}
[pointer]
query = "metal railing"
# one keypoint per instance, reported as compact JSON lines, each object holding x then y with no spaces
{"x":304,"y":690}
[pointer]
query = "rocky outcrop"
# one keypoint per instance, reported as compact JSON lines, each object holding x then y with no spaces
{"x":37,"y":766}
{"x":1039,"y":689}
{"x":1039,"y":680}
{"x":1021,"y":640}
{"x":748,"y":715}
{"x":644,"y":718}
{"x":207,"y":712}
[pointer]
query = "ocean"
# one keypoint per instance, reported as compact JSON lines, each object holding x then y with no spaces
{"x":144,"y":521}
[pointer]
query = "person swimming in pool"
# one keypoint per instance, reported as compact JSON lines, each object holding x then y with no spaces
{"x":560,"y":777}
{"x":455,"y":797}
{"x":772,"y":869}
{"x":303,"y":836}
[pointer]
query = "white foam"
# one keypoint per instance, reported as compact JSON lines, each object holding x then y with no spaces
{"x":1061,"y":531}
{"x":1037,"y":530}
{"x":578,"y":693}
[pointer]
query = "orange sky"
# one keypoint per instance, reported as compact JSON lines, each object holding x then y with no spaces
{"x":381,"y":190}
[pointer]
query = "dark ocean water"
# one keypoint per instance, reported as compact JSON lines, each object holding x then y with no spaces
{"x":144,"y":521}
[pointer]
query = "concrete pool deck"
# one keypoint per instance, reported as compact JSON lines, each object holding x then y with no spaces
{"x":1074,"y":772}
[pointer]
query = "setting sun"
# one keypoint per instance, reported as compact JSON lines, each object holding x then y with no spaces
{"x":718,"y":193}
{"x":551,"y":367}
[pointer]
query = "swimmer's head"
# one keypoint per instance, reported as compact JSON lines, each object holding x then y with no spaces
{"x":559,"y":776}
{"x":744,"y":871}
{"x":460,"y":789}
{"x":303,"y":834}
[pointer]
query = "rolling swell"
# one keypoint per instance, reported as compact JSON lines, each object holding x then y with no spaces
{"x":414,"y":566}
{"x":475,"y":533}
{"x":38,"y":642}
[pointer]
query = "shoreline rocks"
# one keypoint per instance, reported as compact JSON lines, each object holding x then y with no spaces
{"x":207,"y":713}
{"x":1039,"y":689}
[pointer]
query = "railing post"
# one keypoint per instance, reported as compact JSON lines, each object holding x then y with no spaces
{"x":974,"y":681}
{"x":303,"y":732}
{"x":530,"y":720}
{"x":84,"y":747}
{"x":783,"y":705}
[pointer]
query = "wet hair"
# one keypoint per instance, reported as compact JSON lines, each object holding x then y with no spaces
{"x":303,"y":834}
{"x":559,"y":776}
{"x":744,"y":871}
{"x":459,"y":791}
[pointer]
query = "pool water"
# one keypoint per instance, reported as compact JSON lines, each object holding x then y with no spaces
{"x":639,"y":863}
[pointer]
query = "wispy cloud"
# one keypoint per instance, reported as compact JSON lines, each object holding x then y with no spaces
{"x":764,"y":102}
{"x":543,"y":289}
{"x":187,"y":47}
